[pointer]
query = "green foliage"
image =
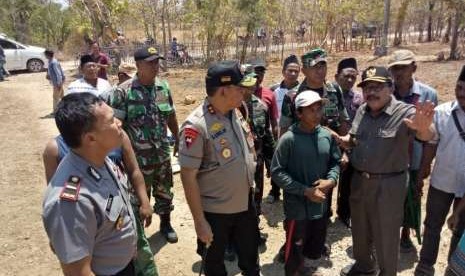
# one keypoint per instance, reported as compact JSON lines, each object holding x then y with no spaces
{"x":50,"y":25}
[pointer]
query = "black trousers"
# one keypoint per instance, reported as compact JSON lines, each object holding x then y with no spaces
{"x":129,"y":270}
{"x":259,"y":183}
{"x":438,"y":205}
{"x":304,"y":238}
{"x":242,"y":228}
{"x":343,"y":195}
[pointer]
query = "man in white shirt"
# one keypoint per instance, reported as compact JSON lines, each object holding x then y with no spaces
{"x":89,"y":82}
{"x":447,"y":181}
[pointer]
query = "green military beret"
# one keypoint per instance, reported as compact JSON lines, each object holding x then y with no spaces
{"x":311,"y":58}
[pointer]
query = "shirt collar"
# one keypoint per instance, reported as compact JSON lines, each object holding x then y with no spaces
{"x":83,"y":166}
{"x":415,"y":89}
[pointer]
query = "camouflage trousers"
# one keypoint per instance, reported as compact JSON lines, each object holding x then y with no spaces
{"x":144,"y":263}
{"x":159,"y":181}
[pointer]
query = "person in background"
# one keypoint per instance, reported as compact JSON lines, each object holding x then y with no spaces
{"x":403,"y":66}
{"x":346,"y":77}
{"x":101,"y":60}
{"x":56,"y":76}
{"x":89,"y":82}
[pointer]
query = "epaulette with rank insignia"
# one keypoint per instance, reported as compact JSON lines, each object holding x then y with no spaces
{"x":71,"y":189}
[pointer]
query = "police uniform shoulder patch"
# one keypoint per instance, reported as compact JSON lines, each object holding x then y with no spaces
{"x":71,"y":188}
{"x":190,"y":134}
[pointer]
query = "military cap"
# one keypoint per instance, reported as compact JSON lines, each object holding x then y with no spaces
{"x":147,"y":53}
{"x":313,"y":57}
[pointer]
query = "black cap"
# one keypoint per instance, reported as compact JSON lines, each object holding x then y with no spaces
{"x":147,"y":53}
{"x":227,"y":73}
{"x":462,"y":74}
{"x":377,"y":74}
{"x":346,"y":63}
{"x":290,"y":59}
{"x":258,"y":64}
{"x":86,"y":59}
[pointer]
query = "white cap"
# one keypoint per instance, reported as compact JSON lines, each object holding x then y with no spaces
{"x":306,"y":98}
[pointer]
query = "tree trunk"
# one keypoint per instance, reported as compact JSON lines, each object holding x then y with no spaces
{"x":430,"y":21}
{"x":382,"y":50}
{"x":446,"y":37}
{"x":163,"y":16}
{"x":169,"y":17}
{"x":402,"y":12}
{"x":455,"y":35}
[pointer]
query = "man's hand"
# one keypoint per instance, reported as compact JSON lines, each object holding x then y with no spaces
{"x":204,"y":231}
{"x":452,"y":221}
{"x":314,"y":194}
{"x":176,"y":147}
{"x":324,"y":185}
{"x":423,"y":117}
{"x":145,"y":213}
{"x":344,"y":161}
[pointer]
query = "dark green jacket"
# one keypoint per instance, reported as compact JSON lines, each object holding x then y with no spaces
{"x":300,"y":159}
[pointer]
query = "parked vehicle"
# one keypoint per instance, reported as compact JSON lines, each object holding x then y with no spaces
{"x":367,"y":30}
{"x":22,"y":57}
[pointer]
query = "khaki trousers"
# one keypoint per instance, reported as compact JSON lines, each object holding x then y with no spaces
{"x":57,"y":95}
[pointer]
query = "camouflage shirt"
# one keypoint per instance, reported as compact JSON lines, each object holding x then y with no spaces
{"x":259,"y":122}
{"x":334,"y":110}
{"x":144,"y":111}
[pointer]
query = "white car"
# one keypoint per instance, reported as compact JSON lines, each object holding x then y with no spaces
{"x":21,"y":57}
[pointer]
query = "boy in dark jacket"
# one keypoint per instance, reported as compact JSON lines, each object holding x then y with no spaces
{"x":306,"y":167}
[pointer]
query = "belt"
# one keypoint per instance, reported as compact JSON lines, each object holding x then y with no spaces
{"x":368,"y":175}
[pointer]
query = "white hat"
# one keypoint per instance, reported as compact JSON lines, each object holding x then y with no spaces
{"x":306,"y":98}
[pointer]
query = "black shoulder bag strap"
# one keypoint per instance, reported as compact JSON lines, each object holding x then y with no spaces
{"x":457,"y":124}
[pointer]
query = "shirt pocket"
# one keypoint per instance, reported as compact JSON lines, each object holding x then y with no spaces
{"x":387,"y":133}
{"x":225,"y":152}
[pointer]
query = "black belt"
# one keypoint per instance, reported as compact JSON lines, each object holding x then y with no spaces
{"x":368,"y":175}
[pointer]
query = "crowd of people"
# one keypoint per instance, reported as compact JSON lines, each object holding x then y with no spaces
{"x":313,"y":138}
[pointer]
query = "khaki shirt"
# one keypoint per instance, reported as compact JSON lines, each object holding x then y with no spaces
{"x":382,"y":142}
{"x":221,"y":148}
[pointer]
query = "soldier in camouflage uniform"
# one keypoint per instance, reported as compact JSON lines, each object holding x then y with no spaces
{"x":314,"y":68}
{"x":259,"y":122}
{"x":145,"y":106}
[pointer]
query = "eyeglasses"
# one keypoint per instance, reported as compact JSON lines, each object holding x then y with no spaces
{"x":373,"y":88}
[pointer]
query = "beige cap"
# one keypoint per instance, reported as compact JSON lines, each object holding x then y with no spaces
{"x":401,"y":57}
{"x":127,"y":68}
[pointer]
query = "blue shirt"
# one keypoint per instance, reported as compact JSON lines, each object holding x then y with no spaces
{"x":55,"y":72}
{"x":418,"y":93}
{"x":115,"y":155}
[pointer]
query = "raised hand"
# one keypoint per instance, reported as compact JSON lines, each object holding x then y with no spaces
{"x":423,"y":117}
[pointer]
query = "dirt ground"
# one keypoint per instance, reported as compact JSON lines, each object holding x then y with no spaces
{"x":26,"y":99}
